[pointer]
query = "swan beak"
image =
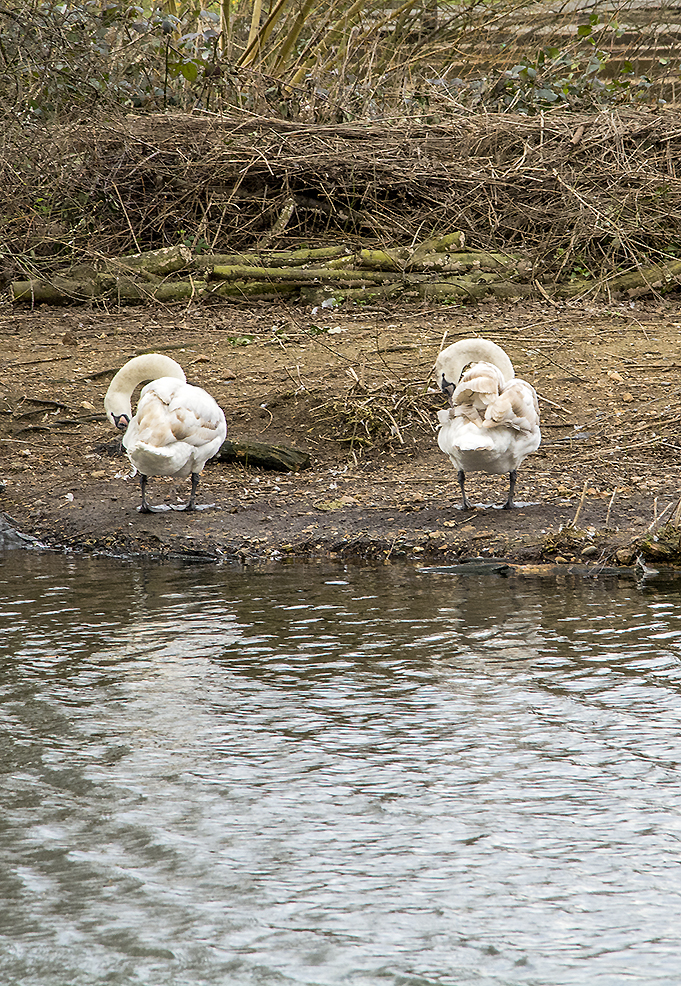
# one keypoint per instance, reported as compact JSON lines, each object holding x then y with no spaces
{"x":121,"y":421}
{"x":447,"y":387}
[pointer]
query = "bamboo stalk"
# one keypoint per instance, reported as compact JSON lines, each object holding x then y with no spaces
{"x":252,"y":33}
{"x":292,"y":36}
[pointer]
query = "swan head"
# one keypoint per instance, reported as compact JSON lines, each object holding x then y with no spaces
{"x":447,"y":386}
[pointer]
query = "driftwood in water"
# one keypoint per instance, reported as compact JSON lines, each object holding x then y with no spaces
{"x":278,"y":457}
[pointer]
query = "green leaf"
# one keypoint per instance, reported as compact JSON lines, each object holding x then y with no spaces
{"x":583,"y":31}
{"x":190,"y":71}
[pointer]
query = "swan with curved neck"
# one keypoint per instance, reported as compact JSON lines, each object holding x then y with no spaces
{"x":176,"y":427}
{"x":492,"y":422}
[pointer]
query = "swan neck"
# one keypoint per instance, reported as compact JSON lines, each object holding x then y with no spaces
{"x":150,"y":366}
{"x":460,"y":354}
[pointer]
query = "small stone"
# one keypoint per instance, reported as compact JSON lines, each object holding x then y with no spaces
{"x":625,"y":556}
{"x":589,"y":551}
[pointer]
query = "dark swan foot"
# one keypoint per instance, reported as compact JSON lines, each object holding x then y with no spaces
{"x":512,"y":477}
{"x":465,"y":503}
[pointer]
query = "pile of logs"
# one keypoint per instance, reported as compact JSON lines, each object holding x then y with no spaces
{"x":441,"y":269}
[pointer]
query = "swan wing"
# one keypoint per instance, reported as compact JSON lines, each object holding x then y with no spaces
{"x":196,"y":418}
{"x":176,"y":429}
{"x":516,"y":407}
{"x":478,"y":388}
{"x":481,"y":382}
{"x":171,"y":412}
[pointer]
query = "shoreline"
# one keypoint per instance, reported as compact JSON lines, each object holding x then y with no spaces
{"x":349,"y":388}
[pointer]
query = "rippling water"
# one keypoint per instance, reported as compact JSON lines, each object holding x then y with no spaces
{"x":325,"y":775}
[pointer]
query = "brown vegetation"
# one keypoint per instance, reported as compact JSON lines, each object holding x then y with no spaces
{"x":294,"y":238}
{"x":577,"y":205}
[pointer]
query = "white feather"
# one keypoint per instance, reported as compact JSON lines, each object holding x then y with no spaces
{"x":492,"y":423}
{"x":176,"y":428}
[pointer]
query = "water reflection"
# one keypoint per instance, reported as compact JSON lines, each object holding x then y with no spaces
{"x":319,"y":775}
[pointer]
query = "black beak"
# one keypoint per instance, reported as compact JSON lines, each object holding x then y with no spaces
{"x":121,"y":421}
{"x":447,"y":387}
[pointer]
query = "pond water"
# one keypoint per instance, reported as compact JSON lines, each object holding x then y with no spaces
{"x":321,"y":774}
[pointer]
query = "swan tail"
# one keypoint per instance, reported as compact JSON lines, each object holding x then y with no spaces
{"x":471,"y":441}
{"x":169,"y":460}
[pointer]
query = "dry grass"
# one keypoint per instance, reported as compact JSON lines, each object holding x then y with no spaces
{"x":596,"y":193}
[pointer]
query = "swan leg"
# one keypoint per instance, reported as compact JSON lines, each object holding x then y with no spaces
{"x":461,"y":476}
{"x":144,"y":507}
{"x":191,"y":503}
{"x":512,"y":476}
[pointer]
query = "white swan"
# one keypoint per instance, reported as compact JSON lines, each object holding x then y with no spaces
{"x":176,"y":428}
{"x":492,"y":422}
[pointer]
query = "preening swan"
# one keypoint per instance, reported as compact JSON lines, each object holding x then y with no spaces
{"x":492,"y":422}
{"x":176,"y":427}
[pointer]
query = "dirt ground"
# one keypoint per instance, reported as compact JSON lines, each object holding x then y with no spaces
{"x":350,"y":387}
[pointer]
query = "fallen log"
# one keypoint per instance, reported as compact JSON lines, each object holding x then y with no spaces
{"x":273,"y":258}
{"x":463,"y":260}
{"x":57,"y":291}
{"x":166,"y":260}
{"x":645,"y":280}
{"x":438,"y":244}
{"x":125,"y":289}
{"x":383,"y":259}
{"x":302,"y":274}
{"x":281,"y":458}
{"x":252,"y":289}
{"x":366,"y":295}
{"x":66,"y":291}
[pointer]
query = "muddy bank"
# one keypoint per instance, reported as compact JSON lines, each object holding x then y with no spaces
{"x":349,"y":387}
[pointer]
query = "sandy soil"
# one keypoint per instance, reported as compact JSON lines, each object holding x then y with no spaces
{"x":349,"y":387}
